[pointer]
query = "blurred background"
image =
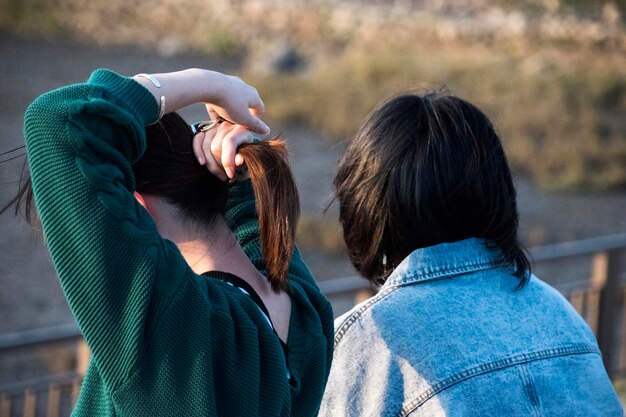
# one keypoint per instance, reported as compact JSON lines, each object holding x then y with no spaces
{"x":551,"y":74}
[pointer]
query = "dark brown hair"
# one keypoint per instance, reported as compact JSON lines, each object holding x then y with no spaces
{"x":24,"y":197}
{"x":424,"y":170}
{"x":168,"y":169}
{"x":277,"y":204}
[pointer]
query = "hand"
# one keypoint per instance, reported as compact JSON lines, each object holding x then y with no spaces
{"x":224,"y":95}
{"x":239,"y":103}
{"x":217,"y":148}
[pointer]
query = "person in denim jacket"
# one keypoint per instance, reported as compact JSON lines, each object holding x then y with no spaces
{"x":460,"y":326}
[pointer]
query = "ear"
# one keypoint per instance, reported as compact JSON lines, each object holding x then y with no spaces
{"x":140,"y":199}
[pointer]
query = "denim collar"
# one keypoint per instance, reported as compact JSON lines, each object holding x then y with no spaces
{"x":444,"y":260}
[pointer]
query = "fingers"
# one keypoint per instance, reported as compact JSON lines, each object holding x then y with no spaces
{"x":212,"y":113}
{"x":258,"y":107}
{"x":241,"y":104}
{"x":239,"y":160}
{"x":201,"y":137}
{"x":197,"y":142}
{"x":238,"y":136}
{"x":251,"y":119}
{"x":252,"y":122}
{"x":216,"y":148}
{"x":246,"y":118}
{"x":213,"y":164}
{"x":202,"y":149}
{"x":249,"y":95}
{"x":255,"y":124}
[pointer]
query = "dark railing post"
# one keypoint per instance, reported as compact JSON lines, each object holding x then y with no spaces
{"x":605,"y":277}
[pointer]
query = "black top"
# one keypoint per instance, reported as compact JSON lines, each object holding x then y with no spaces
{"x":247,"y":289}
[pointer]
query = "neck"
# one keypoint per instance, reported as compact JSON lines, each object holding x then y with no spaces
{"x":205,"y":248}
{"x":214,"y":248}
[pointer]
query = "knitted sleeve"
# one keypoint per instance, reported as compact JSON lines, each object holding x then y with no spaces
{"x":81,"y":142}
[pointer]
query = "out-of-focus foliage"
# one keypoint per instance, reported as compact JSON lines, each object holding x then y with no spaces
{"x":550,"y":73}
{"x":566,"y":128}
{"x":323,"y":235}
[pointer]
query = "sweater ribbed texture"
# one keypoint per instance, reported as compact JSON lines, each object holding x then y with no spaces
{"x":164,"y":341}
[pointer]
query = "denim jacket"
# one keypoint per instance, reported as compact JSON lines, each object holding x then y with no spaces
{"x":449,"y":334}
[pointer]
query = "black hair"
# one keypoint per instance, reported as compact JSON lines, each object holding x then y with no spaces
{"x":424,"y":170}
{"x":169,"y":169}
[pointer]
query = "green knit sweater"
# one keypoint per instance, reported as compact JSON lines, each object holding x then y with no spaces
{"x":164,"y":341}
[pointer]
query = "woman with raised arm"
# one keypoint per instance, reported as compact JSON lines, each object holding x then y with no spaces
{"x":192,"y":305}
{"x":460,"y":327}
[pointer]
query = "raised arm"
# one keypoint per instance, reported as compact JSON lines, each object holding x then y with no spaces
{"x":224,"y":95}
{"x":81,"y":142}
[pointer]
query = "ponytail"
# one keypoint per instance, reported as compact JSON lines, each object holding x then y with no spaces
{"x":277,"y":205}
{"x":178,"y":180}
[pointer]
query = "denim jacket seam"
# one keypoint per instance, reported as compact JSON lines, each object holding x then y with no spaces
{"x":576,"y":349}
{"x":531,"y":390}
{"x":438,"y":273}
{"x":356,"y":315}
{"x":445,"y":272}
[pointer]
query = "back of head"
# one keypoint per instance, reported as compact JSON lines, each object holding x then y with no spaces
{"x":168,"y":169}
{"x":424,"y":170}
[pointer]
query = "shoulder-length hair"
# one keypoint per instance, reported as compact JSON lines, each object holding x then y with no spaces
{"x":424,"y":170}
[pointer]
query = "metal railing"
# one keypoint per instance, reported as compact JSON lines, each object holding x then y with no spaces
{"x":49,"y":395}
{"x":52,"y":396}
{"x":601,"y":301}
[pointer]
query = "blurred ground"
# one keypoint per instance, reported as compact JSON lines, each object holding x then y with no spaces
{"x":30,"y":296}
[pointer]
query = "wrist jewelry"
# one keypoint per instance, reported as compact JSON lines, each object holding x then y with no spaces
{"x":157,"y":84}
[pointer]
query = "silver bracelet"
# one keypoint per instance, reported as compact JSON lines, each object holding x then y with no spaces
{"x":157,"y":84}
